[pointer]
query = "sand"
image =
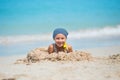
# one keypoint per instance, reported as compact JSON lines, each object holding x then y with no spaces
{"x":93,"y":67}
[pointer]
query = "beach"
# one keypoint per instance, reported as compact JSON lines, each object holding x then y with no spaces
{"x":101,"y":67}
{"x":26,"y":30}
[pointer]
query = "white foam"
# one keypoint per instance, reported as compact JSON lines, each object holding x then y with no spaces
{"x":24,"y":38}
{"x":89,"y":33}
{"x":95,"y":33}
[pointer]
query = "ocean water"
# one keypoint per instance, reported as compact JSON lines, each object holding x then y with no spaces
{"x":18,"y":42}
{"x":28,"y":24}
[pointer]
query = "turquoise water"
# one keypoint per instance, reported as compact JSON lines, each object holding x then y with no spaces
{"x":28,"y":24}
{"x":24,"y":17}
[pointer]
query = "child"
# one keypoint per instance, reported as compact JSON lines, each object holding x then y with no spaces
{"x":60,"y":37}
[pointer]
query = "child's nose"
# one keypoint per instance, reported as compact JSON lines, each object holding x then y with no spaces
{"x":61,"y":40}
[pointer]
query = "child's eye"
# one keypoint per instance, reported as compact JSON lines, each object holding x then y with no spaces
{"x":57,"y":38}
{"x":62,"y":38}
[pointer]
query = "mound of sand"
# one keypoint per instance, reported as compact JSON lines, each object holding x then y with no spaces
{"x":40,"y":54}
{"x":115,"y":58}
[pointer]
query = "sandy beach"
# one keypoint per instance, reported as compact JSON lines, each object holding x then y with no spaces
{"x":104,"y":65}
{"x":88,"y":29}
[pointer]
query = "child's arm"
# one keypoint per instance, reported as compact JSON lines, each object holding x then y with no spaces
{"x":70,"y":48}
{"x":50,"y":49}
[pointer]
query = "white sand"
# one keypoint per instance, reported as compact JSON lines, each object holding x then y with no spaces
{"x":103,"y":51}
{"x":98,"y":69}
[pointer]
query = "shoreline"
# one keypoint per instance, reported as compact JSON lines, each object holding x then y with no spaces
{"x":97,"y":52}
{"x":103,"y":51}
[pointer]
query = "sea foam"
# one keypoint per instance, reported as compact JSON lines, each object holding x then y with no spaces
{"x":95,"y":33}
{"x":107,"y":31}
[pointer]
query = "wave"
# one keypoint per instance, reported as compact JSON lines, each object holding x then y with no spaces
{"x":24,"y":38}
{"x":107,"y":31}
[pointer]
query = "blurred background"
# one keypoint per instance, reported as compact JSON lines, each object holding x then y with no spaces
{"x":28,"y":24}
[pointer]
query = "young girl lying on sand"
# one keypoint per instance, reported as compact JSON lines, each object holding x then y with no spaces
{"x":60,"y":45}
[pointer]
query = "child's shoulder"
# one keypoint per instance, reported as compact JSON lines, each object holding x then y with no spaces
{"x":51,"y":46}
{"x":69,"y":48}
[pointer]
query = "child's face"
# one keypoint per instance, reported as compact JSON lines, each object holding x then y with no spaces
{"x":60,"y":39}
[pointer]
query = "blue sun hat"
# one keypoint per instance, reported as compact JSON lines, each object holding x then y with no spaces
{"x":60,"y":31}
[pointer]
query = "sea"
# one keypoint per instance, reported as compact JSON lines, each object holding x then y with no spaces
{"x":21,"y":40}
